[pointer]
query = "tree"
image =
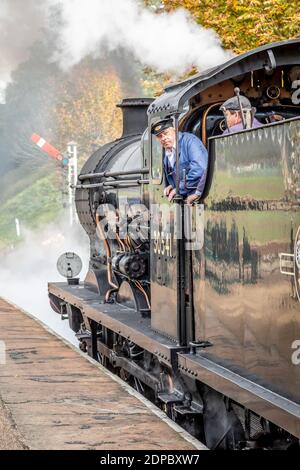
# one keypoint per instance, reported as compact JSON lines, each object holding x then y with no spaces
{"x":86,"y":111}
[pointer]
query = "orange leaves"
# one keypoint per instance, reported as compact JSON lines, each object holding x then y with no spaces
{"x":244,"y":24}
{"x":87,"y":110}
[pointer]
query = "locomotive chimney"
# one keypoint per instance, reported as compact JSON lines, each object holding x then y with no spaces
{"x":135,"y":119}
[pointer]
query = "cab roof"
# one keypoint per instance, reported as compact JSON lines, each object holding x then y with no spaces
{"x":266,"y":57}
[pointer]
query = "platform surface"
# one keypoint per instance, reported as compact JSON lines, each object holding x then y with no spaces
{"x":54,"y":397}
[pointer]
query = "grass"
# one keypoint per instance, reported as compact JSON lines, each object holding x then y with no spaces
{"x":34,"y":206}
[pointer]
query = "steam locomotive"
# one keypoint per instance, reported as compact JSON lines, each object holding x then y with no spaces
{"x":210,"y":333}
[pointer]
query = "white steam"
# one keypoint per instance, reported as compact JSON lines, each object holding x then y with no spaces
{"x":168,"y":42}
{"x":21,"y":24}
{"x":25,"y":272}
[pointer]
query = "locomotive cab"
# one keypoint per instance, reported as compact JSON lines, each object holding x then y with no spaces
{"x":241,"y":281}
{"x":271,"y":85}
{"x":200,"y":309}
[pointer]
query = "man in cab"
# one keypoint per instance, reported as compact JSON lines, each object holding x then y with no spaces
{"x":192,"y":161}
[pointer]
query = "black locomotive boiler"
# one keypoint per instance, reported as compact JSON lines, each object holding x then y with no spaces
{"x":212,"y":333}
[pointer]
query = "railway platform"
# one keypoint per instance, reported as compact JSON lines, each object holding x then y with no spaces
{"x":52,"y":396}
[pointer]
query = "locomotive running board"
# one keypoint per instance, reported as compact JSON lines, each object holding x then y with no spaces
{"x":270,"y":405}
{"x":118,"y":318}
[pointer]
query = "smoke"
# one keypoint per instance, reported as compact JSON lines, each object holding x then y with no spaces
{"x":25,"y":271}
{"x":119,"y":32}
{"x":21,"y":25}
{"x":33,"y":36}
{"x":167,"y":42}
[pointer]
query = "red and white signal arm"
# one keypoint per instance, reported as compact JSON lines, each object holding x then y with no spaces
{"x":46,"y":147}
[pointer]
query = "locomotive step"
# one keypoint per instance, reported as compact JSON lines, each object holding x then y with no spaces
{"x":128,"y":322}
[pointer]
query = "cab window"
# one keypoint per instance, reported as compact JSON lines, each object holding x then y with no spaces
{"x":156,"y":160}
{"x":145,"y":147}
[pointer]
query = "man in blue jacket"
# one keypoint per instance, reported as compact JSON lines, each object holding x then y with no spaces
{"x":192,"y":161}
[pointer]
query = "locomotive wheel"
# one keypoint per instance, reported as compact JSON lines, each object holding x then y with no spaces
{"x":102,"y":359}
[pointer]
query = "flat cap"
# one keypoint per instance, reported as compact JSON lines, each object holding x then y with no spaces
{"x":233,"y":103}
{"x":162,"y":125}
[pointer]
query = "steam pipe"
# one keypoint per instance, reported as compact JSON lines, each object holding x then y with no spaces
{"x":204,"y":121}
{"x":140,"y":287}
{"x":113,"y":174}
{"x":114,"y":286}
{"x":113,"y":184}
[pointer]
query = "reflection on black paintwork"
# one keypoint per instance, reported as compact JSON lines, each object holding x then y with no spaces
{"x":244,"y":305}
{"x":226,"y":261}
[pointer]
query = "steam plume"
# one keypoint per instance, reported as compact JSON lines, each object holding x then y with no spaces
{"x":25,"y":272}
{"x":168,"y":42}
{"x":21,"y":24}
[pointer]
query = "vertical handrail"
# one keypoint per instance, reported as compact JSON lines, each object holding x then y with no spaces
{"x":180,"y":242}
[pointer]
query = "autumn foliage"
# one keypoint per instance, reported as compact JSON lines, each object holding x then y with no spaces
{"x":243,"y":24}
{"x":86,"y":111}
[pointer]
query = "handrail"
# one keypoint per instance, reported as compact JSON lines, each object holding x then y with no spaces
{"x":113,"y":174}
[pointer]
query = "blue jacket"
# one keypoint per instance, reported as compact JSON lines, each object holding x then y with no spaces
{"x":193,"y":159}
